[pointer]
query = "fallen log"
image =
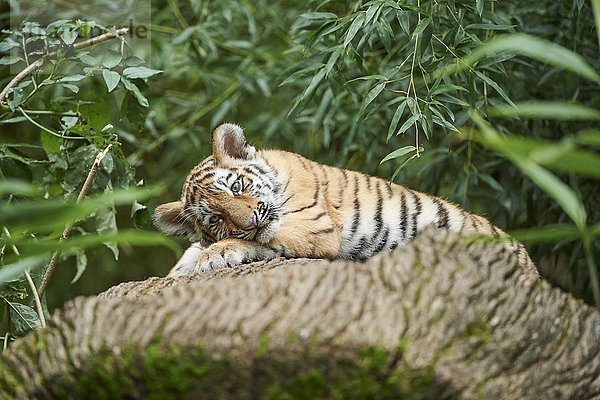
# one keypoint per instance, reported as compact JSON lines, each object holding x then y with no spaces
{"x":440,"y":318}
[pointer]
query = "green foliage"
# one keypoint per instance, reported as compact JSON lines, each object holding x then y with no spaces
{"x":72,"y":116}
{"x":385,"y":87}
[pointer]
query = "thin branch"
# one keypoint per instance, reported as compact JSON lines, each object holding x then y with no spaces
{"x":36,"y":298}
{"x":42,"y":127}
{"x":40,"y":62}
{"x":67,"y":231}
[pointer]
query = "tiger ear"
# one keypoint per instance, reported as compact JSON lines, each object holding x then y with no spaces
{"x":229,"y":142}
{"x":170,"y":219}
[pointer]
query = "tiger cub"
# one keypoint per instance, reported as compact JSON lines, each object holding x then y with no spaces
{"x":241,"y":205}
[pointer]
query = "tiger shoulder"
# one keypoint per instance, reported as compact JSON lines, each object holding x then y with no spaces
{"x":241,"y":205}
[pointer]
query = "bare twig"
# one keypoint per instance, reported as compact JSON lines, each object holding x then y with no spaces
{"x":36,"y":297}
{"x":67,"y":231}
{"x":40,"y":61}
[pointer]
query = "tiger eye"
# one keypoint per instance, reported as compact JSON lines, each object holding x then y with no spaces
{"x":236,"y":187}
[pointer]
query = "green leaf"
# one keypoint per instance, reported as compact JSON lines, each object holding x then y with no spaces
{"x":547,"y":110}
{"x":68,"y":37}
{"x":402,"y":166}
{"x":589,"y":137}
{"x":404,"y":21}
{"x":111,"y":78}
{"x":413,"y":118}
{"x":545,"y":234}
{"x":314,"y":83}
{"x":373,"y":93}
{"x":539,"y":49}
{"x":398,"y":153}
{"x":7,"y":44}
{"x":492,"y":27}
{"x":135,"y":91}
{"x":565,"y":196}
{"x":51,"y":142}
{"x":72,"y":88}
{"x":318,"y":16}
{"x":80,"y":263}
{"x":421,"y":27}
{"x":596,"y":10}
{"x":396,"y":119}
{"x":479,"y":6}
{"x":111,"y":59}
{"x":9,"y":60}
{"x":13,"y":270}
{"x":140,"y":72}
{"x":493,"y":84}
{"x":106,"y":223}
{"x":367,"y":77}
{"x":333,"y":59}
{"x":353,"y":30}
{"x":72,"y":78}
{"x":96,"y":114}
{"x":23,"y":318}
{"x":14,"y":102}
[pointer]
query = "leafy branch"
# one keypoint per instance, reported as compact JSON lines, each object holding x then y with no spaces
{"x":114,"y":33}
{"x":67,"y":231}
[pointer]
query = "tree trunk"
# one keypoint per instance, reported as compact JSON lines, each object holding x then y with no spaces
{"x":439,"y":318}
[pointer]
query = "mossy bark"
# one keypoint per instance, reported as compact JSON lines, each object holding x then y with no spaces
{"x":440,"y":318}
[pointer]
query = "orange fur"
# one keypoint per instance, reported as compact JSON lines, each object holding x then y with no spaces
{"x":244,"y":205}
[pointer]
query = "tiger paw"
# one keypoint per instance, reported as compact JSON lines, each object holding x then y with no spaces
{"x":218,"y":257}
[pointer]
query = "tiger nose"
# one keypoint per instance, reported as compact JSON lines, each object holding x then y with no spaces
{"x":252,"y":223}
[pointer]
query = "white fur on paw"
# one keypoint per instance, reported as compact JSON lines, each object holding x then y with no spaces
{"x":213,"y":261}
{"x":188,"y":262}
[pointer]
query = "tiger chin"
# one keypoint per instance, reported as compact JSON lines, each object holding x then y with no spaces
{"x":241,"y":205}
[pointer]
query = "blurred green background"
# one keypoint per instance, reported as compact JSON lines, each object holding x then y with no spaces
{"x":335,"y":81}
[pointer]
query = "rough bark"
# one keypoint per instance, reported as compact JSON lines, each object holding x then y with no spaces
{"x":440,"y":318}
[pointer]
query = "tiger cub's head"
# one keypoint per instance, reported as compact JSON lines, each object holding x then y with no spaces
{"x":232,"y":194}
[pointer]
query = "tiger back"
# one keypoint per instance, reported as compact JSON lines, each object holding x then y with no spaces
{"x":241,"y":205}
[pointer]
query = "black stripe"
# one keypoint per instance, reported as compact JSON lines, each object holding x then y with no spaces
{"x":368,"y":178}
{"x":321,"y":231}
{"x":418,"y":209}
{"x":494,"y":229}
{"x":287,"y":184}
{"x":356,"y":249}
{"x":302,"y":161}
{"x":342,"y":186}
{"x":378,"y":213}
{"x":356,"y":217}
{"x":394,"y":245}
{"x":204,"y":166}
{"x":403,"y":216}
{"x":442,"y":214}
{"x":463,"y":214}
{"x":388,"y":187}
{"x":205,"y":177}
{"x":319,"y":216}
{"x":260,"y":170}
{"x":474,"y":222}
{"x":382,"y":241}
{"x":275,"y":180}
{"x":315,"y":197}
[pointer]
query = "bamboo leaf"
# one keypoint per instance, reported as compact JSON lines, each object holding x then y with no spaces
{"x":559,"y":191}
{"x":547,"y":110}
{"x":539,"y":49}
{"x":398,"y":153}
{"x":353,"y":30}
{"x":373,"y":93}
{"x":396,"y":119}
